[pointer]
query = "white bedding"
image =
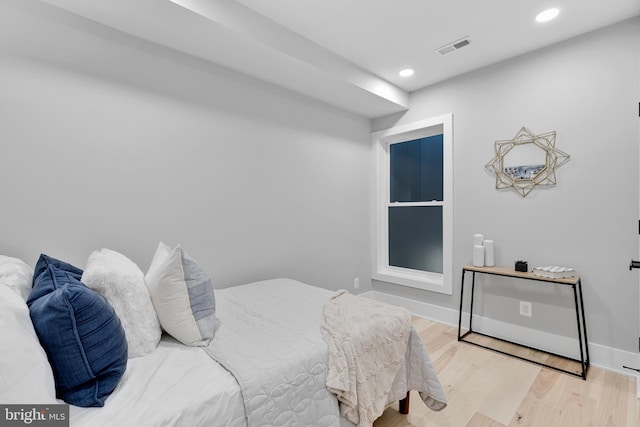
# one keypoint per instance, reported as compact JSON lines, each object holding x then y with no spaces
{"x":375,"y":357}
{"x":179,"y":385}
{"x":367,"y":346}
{"x":268,"y":340}
{"x":176,"y":385}
{"x":269,"y":337}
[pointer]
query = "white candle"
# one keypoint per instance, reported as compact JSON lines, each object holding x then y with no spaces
{"x":489,"y":255}
{"x":478,"y":255}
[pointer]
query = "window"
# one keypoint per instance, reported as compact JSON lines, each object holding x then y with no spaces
{"x":413,"y":226}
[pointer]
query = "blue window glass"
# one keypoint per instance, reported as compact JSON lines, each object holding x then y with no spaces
{"x":416,"y":170}
{"x":415,"y":237}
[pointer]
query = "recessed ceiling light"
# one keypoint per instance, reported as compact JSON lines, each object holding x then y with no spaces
{"x":407,"y":72}
{"x":547,"y":15}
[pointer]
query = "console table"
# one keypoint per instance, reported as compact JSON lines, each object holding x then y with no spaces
{"x":573,"y":282}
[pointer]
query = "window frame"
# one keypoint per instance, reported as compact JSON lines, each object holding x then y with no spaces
{"x":382,"y":140}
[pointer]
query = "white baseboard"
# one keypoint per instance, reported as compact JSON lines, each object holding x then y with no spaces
{"x":600,"y":355}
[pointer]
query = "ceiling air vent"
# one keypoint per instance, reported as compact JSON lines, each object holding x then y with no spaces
{"x":450,"y":47}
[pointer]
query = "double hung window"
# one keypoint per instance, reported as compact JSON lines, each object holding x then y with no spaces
{"x":413,"y":204}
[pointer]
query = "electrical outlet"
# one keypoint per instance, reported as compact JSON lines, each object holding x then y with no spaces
{"x":525,"y":309}
{"x":356,"y":283}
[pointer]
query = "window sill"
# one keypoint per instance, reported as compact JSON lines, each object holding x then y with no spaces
{"x":433,"y":282}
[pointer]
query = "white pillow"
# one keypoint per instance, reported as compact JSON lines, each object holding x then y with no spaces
{"x":17,"y":275}
{"x":121,"y":282}
{"x":25,"y":374}
{"x":182,"y":294}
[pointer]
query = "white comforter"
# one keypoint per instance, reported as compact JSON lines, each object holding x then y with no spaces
{"x":269,"y":338}
{"x":269,"y":341}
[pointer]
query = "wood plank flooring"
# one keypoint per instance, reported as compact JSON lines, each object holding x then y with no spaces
{"x":488,"y":389}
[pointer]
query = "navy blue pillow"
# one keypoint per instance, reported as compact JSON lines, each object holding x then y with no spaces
{"x":43,"y":263}
{"x":81,"y":334}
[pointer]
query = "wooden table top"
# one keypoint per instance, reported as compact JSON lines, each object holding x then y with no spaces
{"x":508,"y":271}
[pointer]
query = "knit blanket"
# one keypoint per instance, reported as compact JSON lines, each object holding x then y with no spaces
{"x":368,"y":342}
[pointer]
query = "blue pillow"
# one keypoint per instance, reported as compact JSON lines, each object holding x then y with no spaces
{"x":81,"y":334}
{"x":43,"y":263}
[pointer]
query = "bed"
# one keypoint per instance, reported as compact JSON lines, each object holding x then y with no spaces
{"x":267,"y":364}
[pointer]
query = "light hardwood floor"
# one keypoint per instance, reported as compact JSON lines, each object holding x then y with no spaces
{"x":488,"y":389}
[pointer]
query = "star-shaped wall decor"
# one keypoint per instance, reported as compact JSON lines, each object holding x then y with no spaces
{"x":525,"y":177}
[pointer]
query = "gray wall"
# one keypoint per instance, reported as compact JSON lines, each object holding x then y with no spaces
{"x":110,"y":141}
{"x":585,"y":89}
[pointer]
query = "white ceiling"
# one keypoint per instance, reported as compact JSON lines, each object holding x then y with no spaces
{"x":348,"y":52}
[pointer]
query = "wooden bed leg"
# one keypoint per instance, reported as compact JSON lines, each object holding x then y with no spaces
{"x":404,"y":405}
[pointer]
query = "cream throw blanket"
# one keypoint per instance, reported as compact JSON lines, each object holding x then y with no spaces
{"x":367,"y":346}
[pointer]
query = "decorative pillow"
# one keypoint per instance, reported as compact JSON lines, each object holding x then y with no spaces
{"x":44,"y":262}
{"x":121,"y":282}
{"x":16,"y":274}
{"x":81,"y":334}
{"x":25,"y":373}
{"x":182,"y":294}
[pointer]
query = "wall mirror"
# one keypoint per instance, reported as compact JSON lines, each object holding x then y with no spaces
{"x":526,"y":161}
